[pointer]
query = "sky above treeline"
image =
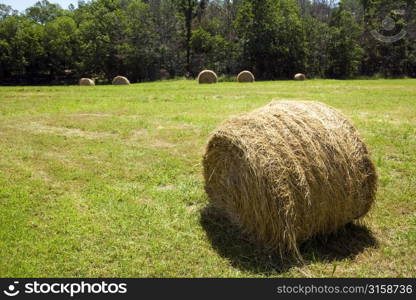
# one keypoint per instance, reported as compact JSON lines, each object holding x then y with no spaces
{"x":21,"y":5}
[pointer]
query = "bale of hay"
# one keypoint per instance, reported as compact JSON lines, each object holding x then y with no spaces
{"x":120,"y":80}
{"x":300,"y":77}
{"x":245,"y":76}
{"x":207,"y":76}
{"x":86,"y":82}
{"x":289,"y":171}
{"x":164,"y":74}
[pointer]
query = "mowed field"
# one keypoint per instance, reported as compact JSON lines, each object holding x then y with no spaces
{"x":106,"y":181}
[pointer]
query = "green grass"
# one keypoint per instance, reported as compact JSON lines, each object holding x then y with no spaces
{"x":107,"y":181}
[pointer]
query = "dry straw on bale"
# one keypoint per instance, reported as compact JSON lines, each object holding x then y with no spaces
{"x":289,"y":171}
{"x":120,"y":80}
{"x":245,"y":76}
{"x":207,"y":76}
{"x":86,"y":81}
{"x":300,"y":76}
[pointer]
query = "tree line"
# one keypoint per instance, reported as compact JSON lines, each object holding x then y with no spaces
{"x":155,"y":39}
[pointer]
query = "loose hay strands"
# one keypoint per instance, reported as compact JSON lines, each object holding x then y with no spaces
{"x":86,"y":82}
{"x":120,"y":80}
{"x":207,"y":76}
{"x":245,"y":76}
{"x":289,"y":171}
{"x":300,"y":77}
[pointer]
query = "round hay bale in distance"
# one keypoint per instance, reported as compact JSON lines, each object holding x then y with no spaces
{"x":120,"y":80}
{"x":86,"y":82}
{"x":300,"y":77}
{"x":245,"y":76}
{"x":207,"y":76}
{"x":289,"y":171}
{"x":164,"y":74}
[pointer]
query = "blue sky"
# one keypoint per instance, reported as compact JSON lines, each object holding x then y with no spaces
{"x":21,"y":5}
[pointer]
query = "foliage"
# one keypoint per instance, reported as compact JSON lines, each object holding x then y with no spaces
{"x":345,"y":53}
{"x":44,"y":11}
{"x":273,"y":37}
{"x":148,"y":39}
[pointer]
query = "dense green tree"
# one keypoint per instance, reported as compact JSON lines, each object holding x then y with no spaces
{"x":140,"y":50}
{"x":148,"y":39}
{"x":190,"y":9}
{"x":318,"y":38}
{"x":272,"y":36}
{"x":345,"y":53}
{"x":103,"y":38}
{"x":21,"y":50}
{"x":44,"y":11}
{"x":210,"y":52}
{"x":61,"y":45}
{"x":390,"y":39}
{"x":168,"y":43}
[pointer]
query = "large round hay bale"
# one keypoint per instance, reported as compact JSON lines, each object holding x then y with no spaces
{"x":207,"y":76}
{"x":120,"y":80}
{"x":300,"y":77}
{"x":245,"y":76}
{"x":86,"y":82}
{"x":289,"y":171}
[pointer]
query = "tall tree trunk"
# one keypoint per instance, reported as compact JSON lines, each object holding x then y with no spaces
{"x":188,"y":22}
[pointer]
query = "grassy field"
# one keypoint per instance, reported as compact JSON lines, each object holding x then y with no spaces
{"x":107,"y":181}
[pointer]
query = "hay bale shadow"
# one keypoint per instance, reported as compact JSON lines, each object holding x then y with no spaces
{"x":230,"y":243}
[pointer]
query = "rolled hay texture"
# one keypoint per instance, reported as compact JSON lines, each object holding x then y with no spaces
{"x":120,"y":80}
{"x":207,"y":76}
{"x":245,"y":76}
{"x":300,"y":77}
{"x":289,"y":171}
{"x":86,"y":82}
